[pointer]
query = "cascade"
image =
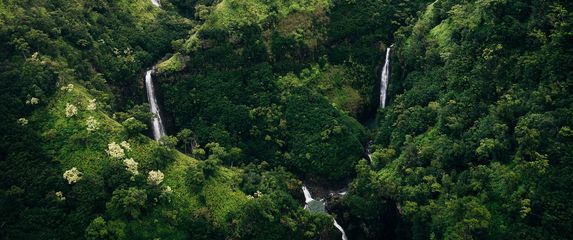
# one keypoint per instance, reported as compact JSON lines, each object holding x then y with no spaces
{"x":369,"y":151}
{"x":156,"y":123}
{"x":307,"y":196}
{"x":308,"y":199}
{"x":340,"y":229}
{"x":384,"y":78}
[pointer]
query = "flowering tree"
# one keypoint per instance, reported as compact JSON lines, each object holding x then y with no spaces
{"x":33,"y":101}
{"x":60,"y":196}
{"x":92,"y":105}
{"x":23,"y":121}
{"x":115,"y":150}
{"x":155,"y":177}
{"x":125,"y":145}
{"x":167,"y":190}
{"x":68,"y":88}
{"x":92,"y":124}
{"x":71,"y":110}
{"x":131,"y":166}
{"x":73,"y":175}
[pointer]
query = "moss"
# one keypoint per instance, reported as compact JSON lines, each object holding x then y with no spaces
{"x":316,"y":206}
{"x":175,"y":63}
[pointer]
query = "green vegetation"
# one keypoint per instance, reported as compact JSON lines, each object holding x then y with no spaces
{"x":175,"y":63}
{"x":475,"y":143}
{"x":261,"y":96}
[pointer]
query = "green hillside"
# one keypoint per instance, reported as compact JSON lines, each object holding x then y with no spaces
{"x":260,"y":98}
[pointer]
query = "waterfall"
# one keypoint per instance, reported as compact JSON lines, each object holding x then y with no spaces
{"x":156,"y":3}
{"x":308,"y":198}
{"x":340,"y":229}
{"x":369,"y":151}
{"x":156,"y":123}
{"x":384,"y":78}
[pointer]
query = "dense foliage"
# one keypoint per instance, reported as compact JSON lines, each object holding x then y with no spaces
{"x":262,"y":96}
{"x":476,"y":143}
{"x":70,"y":171}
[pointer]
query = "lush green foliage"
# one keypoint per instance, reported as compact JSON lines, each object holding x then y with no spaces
{"x":476,"y":142}
{"x":231,"y":92}
{"x":59,"y":63}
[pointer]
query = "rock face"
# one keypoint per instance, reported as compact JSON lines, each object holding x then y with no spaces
{"x":316,"y":206}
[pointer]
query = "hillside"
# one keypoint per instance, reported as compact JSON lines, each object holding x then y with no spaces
{"x":286,"y":119}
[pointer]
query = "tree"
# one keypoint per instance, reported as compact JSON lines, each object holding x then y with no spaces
{"x":134,"y":126}
{"x":127,"y":202}
{"x":186,"y":136}
{"x":170,"y":142}
{"x":99,"y":229}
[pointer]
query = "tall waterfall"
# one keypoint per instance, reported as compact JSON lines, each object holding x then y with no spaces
{"x":156,"y":123}
{"x":308,"y":198}
{"x":384,"y":78}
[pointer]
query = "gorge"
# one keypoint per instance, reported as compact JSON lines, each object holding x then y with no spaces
{"x":273,"y":119}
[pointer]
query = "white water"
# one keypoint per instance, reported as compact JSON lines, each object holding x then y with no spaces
{"x":369,"y":151}
{"x":156,"y":3}
{"x":308,"y":198}
{"x":156,"y":123}
{"x":384,"y":78}
{"x":341,"y":230}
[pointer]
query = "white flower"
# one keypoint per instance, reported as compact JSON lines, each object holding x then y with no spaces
{"x":23,"y":121}
{"x":155,"y":177}
{"x":250,"y":197}
{"x":60,"y":196}
{"x":92,"y":124}
{"x":167,"y":190}
{"x":73,"y":175}
{"x":92,"y":105}
{"x":115,"y":151}
{"x":68,"y":88}
{"x":71,"y":110}
{"x":258,"y":194}
{"x":131,"y":166}
{"x":125,"y":145}
{"x":33,"y":101}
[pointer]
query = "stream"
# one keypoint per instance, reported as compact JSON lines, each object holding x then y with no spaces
{"x":320,"y":206}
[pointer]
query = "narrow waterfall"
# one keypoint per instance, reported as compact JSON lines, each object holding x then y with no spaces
{"x":369,"y":151}
{"x":156,"y":3}
{"x":384,"y":78}
{"x":340,"y":229}
{"x":308,"y":199}
{"x":156,"y":123}
{"x":307,"y":196}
